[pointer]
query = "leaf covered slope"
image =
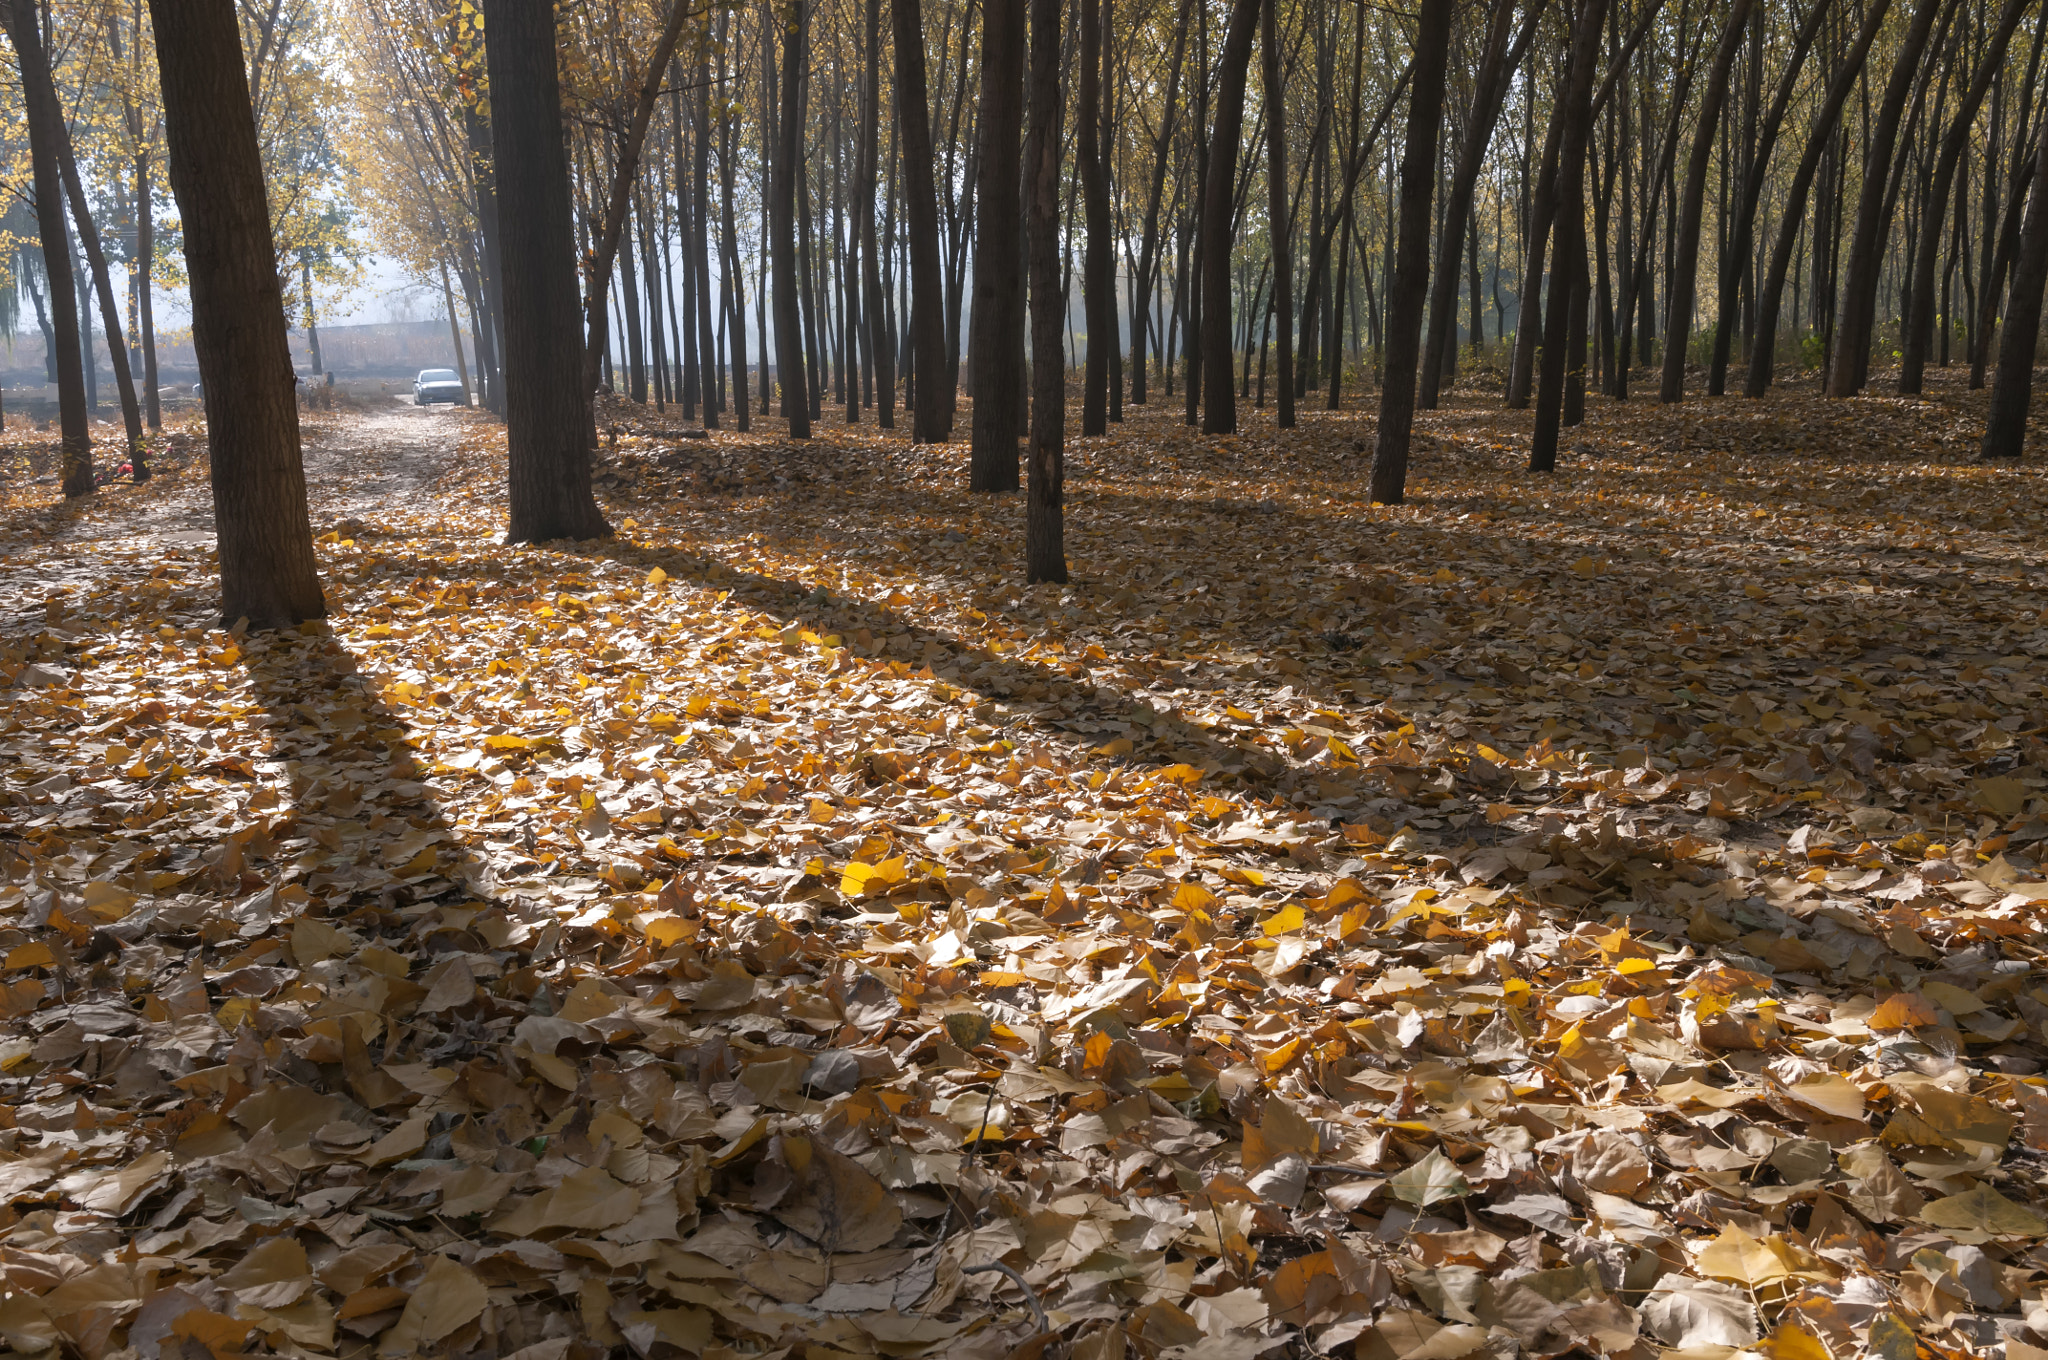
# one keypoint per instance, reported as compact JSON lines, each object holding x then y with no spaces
{"x":1591,"y":913}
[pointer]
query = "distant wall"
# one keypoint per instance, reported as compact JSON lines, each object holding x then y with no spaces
{"x":394,"y":350}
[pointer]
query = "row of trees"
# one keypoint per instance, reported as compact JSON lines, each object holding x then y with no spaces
{"x":91,"y":244}
{"x":1694,"y":184}
{"x":571,"y":164}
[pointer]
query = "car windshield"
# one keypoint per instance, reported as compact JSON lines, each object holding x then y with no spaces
{"x":434,"y":375}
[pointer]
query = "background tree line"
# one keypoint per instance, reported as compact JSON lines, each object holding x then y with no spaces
{"x":783,"y":205}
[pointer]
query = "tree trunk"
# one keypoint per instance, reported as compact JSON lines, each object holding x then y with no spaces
{"x":268,"y":573}
{"x":1735,"y":259}
{"x":145,"y":254}
{"x":2005,"y":429}
{"x":548,"y":419}
{"x":1219,"y":405}
{"x":931,"y":418}
{"x":1045,"y":551}
{"x":1098,"y":308}
{"x":996,"y":347}
{"x":454,"y":331}
{"x":605,"y":248}
{"x":1770,"y":293}
{"x":1679,"y":294}
{"x":1489,"y":92}
{"x":782,"y":190}
{"x":1916,"y":324}
{"x":1407,"y":290}
{"x":40,"y":96}
{"x":1528,"y":319}
{"x":881,"y":350}
{"x":1576,"y":111}
{"x":1280,"y":226}
{"x":1849,"y":358}
{"x":1148,"y":239}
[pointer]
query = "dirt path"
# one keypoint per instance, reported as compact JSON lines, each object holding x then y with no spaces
{"x":360,"y":465}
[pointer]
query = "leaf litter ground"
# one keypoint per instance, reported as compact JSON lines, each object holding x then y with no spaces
{"x":1593,"y":914}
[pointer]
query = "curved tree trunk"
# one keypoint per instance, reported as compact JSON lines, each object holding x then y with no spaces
{"x":931,"y":416}
{"x":1407,"y":289}
{"x":1770,"y":293}
{"x":1529,"y":320}
{"x":875,"y":317}
{"x":548,"y":418}
{"x":1148,"y":238}
{"x":1916,"y":327}
{"x":1489,"y":93}
{"x":1098,"y":309}
{"x":605,"y":249}
{"x":1735,"y":259}
{"x":1685,"y":279}
{"x":62,"y":341}
{"x":268,"y":573}
{"x":1568,"y":262}
{"x":1850,"y":360}
{"x":1045,"y":550}
{"x":2005,"y":431}
{"x":996,"y":343}
{"x":789,"y":333}
{"x":1219,"y":191}
{"x":1279,"y":224}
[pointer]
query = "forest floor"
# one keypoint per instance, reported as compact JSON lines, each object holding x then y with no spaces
{"x":1598,"y":912}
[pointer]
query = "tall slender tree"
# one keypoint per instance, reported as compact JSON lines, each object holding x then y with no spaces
{"x":1098,"y":307}
{"x":1693,"y":201}
{"x":1849,"y":362}
{"x":1219,"y":202}
{"x":268,"y":573}
{"x":996,"y":346}
{"x":931,"y":417}
{"x":1408,"y":288}
{"x":2005,"y":430}
{"x":549,"y":429}
{"x":1569,"y":258}
{"x":1771,"y":292}
{"x":1045,"y":542}
{"x":1279,"y":222}
{"x":62,"y":341}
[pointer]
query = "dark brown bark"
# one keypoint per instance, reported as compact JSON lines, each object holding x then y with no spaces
{"x":996,"y":347}
{"x":1850,"y":356}
{"x":733,"y":284}
{"x":1280,"y":227}
{"x":268,"y":573}
{"x":605,"y":248}
{"x":1569,"y":259}
{"x":1770,"y":293}
{"x":1142,"y":286}
{"x":696,"y":207}
{"x":548,"y":419}
{"x":931,"y":417}
{"x":1685,"y":278}
{"x":1219,"y":190}
{"x":1490,"y":88}
{"x":1045,"y":550}
{"x":880,"y":341}
{"x":784,"y":177}
{"x":1408,"y":289}
{"x":145,"y":259}
{"x":2005,"y":429}
{"x":39,"y":96}
{"x":1736,"y":257}
{"x":1917,"y":324}
{"x":1098,"y":308}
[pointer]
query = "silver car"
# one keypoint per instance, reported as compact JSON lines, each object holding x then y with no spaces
{"x":438,"y":384}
